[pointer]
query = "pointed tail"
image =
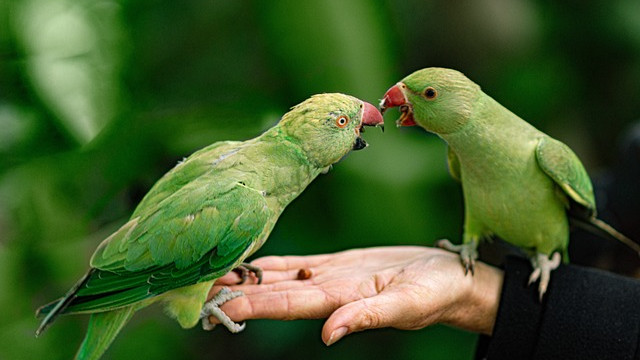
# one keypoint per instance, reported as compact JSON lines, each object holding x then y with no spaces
{"x":601,"y":228}
{"x":57,"y":307}
{"x":103,"y":328}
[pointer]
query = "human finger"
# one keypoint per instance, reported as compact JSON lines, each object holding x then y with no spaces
{"x":290,"y":262}
{"x":382,"y":310}
{"x":303,"y":273}
{"x":250,"y":289}
{"x":230,"y":278}
{"x":303,"y":303}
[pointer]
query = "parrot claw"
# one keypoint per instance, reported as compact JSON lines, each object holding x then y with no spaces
{"x":542,"y":267}
{"x":212,"y":307}
{"x":469,"y":265}
{"x":244,"y":269}
{"x":535,"y":275}
{"x":468,"y":253}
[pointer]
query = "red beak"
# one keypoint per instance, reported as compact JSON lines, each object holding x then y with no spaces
{"x":371,"y":116}
{"x":395,"y":97}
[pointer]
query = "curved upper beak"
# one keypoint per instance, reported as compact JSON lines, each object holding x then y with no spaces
{"x":370,"y":117}
{"x":395,"y":97}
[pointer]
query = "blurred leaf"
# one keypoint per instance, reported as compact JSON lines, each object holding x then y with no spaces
{"x":71,"y":52}
{"x":17,"y":125}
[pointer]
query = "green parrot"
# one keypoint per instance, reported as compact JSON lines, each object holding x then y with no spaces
{"x":518,"y":183}
{"x":205,"y":217}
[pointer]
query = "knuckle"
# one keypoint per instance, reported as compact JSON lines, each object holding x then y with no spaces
{"x":371,"y":316}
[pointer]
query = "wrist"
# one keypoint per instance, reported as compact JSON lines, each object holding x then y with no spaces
{"x":477,"y":307}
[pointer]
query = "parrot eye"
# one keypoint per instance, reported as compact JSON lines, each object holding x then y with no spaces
{"x":342,"y":121}
{"x":430,"y":93}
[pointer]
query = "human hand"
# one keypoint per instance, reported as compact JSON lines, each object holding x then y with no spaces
{"x":405,"y":287}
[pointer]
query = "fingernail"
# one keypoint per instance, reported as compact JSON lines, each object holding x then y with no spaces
{"x":336,"y":335}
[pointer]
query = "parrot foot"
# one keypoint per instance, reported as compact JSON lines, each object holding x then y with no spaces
{"x":542,"y":267}
{"x":244,"y":269}
{"x":468,"y":253}
{"x":212,"y":307}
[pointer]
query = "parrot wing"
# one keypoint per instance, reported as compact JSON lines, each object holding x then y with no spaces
{"x":454,"y":164}
{"x":198,"y":233}
{"x":563,"y":166}
{"x":197,"y":164}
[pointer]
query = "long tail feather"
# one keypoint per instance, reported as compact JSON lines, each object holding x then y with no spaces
{"x":60,"y":305}
{"x":605,"y":230}
{"x":103,"y":328}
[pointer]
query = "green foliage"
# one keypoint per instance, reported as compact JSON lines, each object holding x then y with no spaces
{"x":99,"y":98}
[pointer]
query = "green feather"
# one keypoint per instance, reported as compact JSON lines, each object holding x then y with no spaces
{"x":454,"y":164}
{"x":102,"y":330}
{"x":564,"y":167}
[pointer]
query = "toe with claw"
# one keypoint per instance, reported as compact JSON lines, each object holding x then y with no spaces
{"x":542,"y":267}
{"x":245,"y":269}
{"x":468,"y":253}
{"x":212,"y":308}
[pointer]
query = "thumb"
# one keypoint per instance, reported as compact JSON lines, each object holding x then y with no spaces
{"x":380,"y":311}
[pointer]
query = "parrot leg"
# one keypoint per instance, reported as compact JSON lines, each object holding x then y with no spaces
{"x":542,"y":267}
{"x":212,"y":307}
{"x":244,"y":269}
{"x":468,"y":253}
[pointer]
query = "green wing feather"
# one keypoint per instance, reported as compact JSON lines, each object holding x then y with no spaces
{"x":454,"y":164}
{"x":189,"y":245}
{"x":197,"y":232}
{"x":103,"y":328}
{"x":563,"y":166}
{"x":197,"y":164}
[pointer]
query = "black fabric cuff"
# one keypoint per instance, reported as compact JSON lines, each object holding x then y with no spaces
{"x":585,"y":314}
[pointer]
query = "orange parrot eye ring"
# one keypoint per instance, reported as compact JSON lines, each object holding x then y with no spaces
{"x":342,"y":121}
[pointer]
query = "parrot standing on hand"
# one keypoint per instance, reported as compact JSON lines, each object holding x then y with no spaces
{"x":205,"y":216}
{"x":518,"y":183}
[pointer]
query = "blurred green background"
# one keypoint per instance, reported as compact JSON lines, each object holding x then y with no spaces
{"x":99,"y":98}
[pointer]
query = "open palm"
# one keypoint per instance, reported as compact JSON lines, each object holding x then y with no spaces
{"x":405,"y":287}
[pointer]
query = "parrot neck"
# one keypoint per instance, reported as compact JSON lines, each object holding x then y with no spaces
{"x":292,"y":172}
{"x":492,"y":128}
{"x":296,"y":149}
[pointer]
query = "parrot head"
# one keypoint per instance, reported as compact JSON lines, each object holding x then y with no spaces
{"x":328,"y":126}
{"x":439,"y":100}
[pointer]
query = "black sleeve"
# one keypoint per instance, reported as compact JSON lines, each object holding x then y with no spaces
{"x":585,"y":314}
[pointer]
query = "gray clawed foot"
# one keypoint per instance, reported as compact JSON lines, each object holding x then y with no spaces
{"x":212,"y":307}
{"x":244,"y":269}
{"x":468,"y":253}
{"x":542,"y":267}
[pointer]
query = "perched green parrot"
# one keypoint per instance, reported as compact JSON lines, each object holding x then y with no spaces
{"x":205,"y":216}
{"x":518,"y":183}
